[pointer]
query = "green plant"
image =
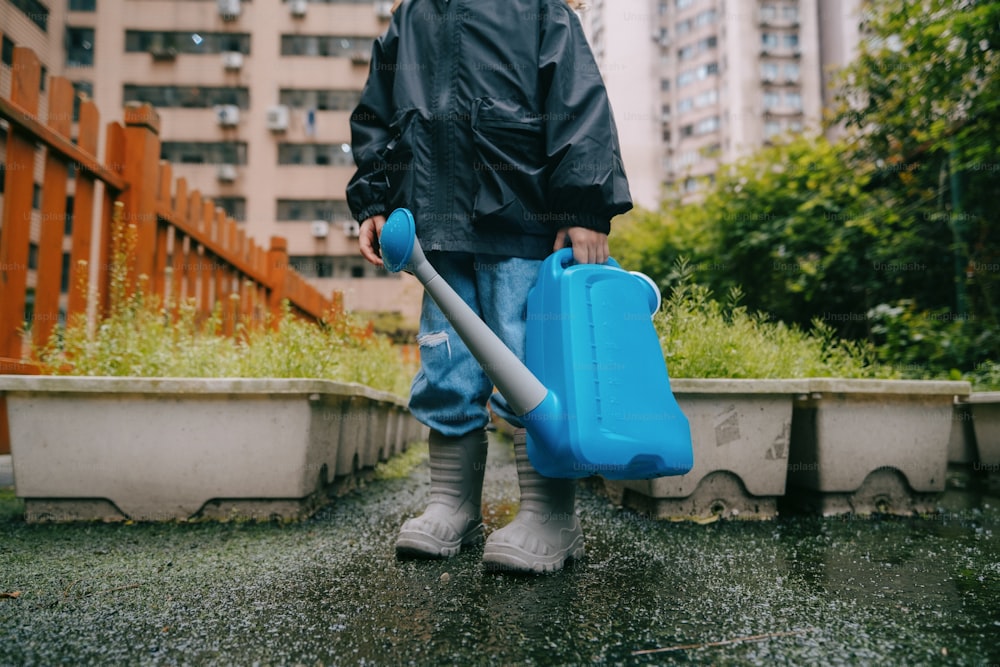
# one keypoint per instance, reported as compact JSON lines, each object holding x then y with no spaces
{"x":935,"y":343}
{"x":703,"y":338}
{"x":143,"y":337}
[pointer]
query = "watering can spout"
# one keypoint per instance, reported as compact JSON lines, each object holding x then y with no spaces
{"x":402,"y":252}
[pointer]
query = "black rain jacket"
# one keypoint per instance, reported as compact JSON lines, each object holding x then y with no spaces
{"x":490,"y":121}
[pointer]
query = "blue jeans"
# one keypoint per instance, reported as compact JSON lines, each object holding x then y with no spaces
{"x":450,"y":391}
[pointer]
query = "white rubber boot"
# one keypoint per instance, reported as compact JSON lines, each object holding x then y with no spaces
{"x":546,"y":531}
{"x":453,"y":518}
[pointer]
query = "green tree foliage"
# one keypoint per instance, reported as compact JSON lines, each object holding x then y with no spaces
{"x":891,"y":233}
{"x":922,"y":103}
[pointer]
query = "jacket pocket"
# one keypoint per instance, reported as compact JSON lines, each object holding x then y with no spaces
{"x":509,"y":163}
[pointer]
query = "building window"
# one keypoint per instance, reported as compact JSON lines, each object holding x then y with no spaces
{"x":79,"y":47}
{"x":321,"y":100}
{"x":319,"y":266}
{"x":769,"y":71}
{"x":204,"y":152}
{"x":790,"y":41}
{"x":772,"y":128}
{"x":706,"y":98}
{"x":235,"y":207}
{"x":331,"y":210}
{"x":790,"y":13}
{"x":771,"y":99}
{"x":36,"y":12}
{"x":768,"y":12}
{"x":706,"y":125}
{"x":683,"y":4}
{"x":791,"y":71}
{"x":193,"y":97}
{"x":769,"y":40}
{"x":156,"y":41}
{"x":793,"y":100}
{"x":707,"y":17}
{"x":339,"y":155}
{"x":83,"y":5}
{"x":333,"y":46}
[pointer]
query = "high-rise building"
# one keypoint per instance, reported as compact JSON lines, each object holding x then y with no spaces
{"x":254,"y":99}
{"x":697,"y":83}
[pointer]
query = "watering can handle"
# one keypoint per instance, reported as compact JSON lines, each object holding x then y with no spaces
{"x":564,"y":260}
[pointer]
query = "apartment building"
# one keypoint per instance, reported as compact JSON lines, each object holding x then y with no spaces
{"x":254,"y":98}
{"x":710,"y":81}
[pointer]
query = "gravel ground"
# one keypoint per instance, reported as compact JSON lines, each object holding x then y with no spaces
{"x":330,"y":591}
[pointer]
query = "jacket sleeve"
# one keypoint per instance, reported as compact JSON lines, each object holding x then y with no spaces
{"x":367,"y":191}
{"x":586,"y":178}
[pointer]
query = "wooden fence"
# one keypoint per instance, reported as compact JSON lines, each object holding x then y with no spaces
{"x":186,"y":247}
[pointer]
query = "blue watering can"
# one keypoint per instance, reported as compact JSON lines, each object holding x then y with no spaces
{"x":594,"y":396}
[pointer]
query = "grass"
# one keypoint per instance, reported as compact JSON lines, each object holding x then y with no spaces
{"x":143,"y":336}
{"x":703,"y":338}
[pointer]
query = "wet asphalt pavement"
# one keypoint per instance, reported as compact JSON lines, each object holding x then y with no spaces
{"x":330,"y":591}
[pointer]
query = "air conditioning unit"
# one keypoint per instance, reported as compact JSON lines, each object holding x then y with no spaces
{"x":232,"y":60}
{"x":159,"y":49}
{"x":351,"y":228}
{"x":360,"y":58}
{"x":277,"y":118}
{"x":383,"y":9}
{"x":229,"y":10}
{"x":298,"y":8}
{"x":226,"y":173}
{"x":164,"y":53}
{"x":227,"y":115}
{"x":319,"y":229}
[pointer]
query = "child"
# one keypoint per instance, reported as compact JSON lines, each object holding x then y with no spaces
{"x":491,"y":123}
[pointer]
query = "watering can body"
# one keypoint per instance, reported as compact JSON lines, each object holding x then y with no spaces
{"x":594,"y":393}
{"x":591,"y":342}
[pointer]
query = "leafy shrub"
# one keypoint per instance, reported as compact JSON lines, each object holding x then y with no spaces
{"x":935,"y":343}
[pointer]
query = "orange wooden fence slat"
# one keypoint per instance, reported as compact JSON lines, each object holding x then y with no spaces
{"x":83,"y":215}
{"x":114,"y":156}
{"x":19,"y":190}
{"x":53,"y":216}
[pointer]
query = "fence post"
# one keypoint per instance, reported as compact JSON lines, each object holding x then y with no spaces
{"x":83,"y":213}
{"x":277,"y":274}
{"x":114,"y":157}
{"x":50,"y":242}
{"x":142,"y":163}
{"x":19,"y":191}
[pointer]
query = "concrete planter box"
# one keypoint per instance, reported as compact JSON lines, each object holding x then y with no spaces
{"x":176,"y":449}
{"x":866,"y":446}
{"x":740,"y":431}
{"x":985,"y":407}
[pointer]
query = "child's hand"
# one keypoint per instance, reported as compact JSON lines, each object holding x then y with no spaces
{"x":589,"y":247}
{"x":370,"y":231}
